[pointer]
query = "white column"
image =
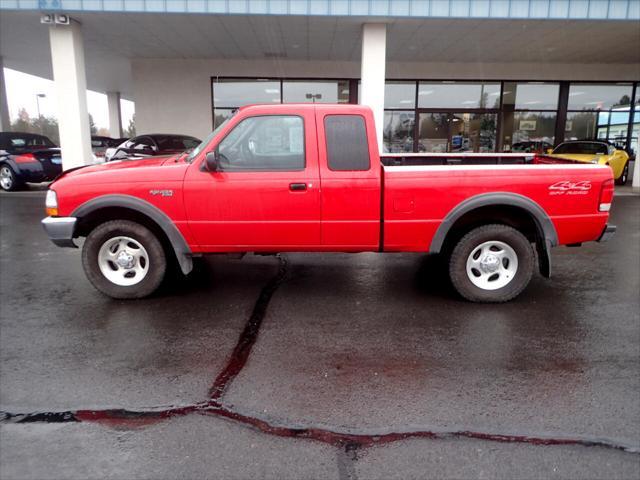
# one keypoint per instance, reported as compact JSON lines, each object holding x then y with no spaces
{"x":372,"y":72}
{"x":636,"y":172}
{"x":4,"y":108}
{"x":115,"y":116}
{"x":67,"y":58}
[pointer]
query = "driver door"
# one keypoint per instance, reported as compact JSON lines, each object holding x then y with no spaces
{"x":265,"y":195}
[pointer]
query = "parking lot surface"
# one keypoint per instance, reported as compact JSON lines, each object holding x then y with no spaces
{"x":324,"y":366}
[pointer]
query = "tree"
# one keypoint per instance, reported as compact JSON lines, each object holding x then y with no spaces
{"x":47,"y":126}
{"x":92,"y":126}
{"x":130,"y":131}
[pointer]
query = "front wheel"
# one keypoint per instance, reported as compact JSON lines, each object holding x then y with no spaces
{"x":622,"y":179}
{"x":492,"y":263}
{"x":124,"y":259}
{"x":9,"y":181}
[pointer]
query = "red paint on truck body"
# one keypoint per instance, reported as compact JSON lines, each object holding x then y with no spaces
{"x":338,"y":211}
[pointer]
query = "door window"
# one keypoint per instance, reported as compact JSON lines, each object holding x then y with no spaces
{"x":268,"y":143}
{"x":347,"y":147}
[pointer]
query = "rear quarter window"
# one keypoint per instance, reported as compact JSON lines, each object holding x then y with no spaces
{"x":347,"y":143}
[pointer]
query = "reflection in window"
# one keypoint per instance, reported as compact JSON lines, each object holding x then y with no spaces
{"x":598,"y":97}
{"x":220,"y":115}
{"x":530,"y":95}
{"x":473,"y":132}
{"x":234,"y":93}
{"x":315,"y":91}
{"x":269,"y":143}
{"x":532,"y":132}
{"x":433,"y":133}
{"x":400,"y":95}
{"x":581,"y":126}
{"x":398,"y":131}
{"x":458,"y":95}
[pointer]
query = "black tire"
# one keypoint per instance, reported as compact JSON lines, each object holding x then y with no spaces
{"x":157,"y":259}
{"x":466,"y":246}
{"x":13,"y":182}
{"x":622,"y":179}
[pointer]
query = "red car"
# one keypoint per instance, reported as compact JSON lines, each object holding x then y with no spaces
{"x":309,"y":178}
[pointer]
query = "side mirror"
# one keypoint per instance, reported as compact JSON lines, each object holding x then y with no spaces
{"x":211,"y":162}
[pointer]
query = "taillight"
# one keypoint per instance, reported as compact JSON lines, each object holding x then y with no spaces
{"x":25,"y":158}
{"x":606,"y":195}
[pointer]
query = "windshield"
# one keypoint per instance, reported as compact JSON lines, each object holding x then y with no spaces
{"x":584,"y":148}
{"x":196,"y":151}
{"x":24,"y":141}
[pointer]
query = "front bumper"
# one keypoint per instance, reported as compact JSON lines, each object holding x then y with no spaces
{"x":607,"y":233}
{"x":60,"y":230}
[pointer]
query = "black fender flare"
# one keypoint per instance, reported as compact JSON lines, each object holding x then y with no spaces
{"x":178,"y":243}
{"x":544,"y":226}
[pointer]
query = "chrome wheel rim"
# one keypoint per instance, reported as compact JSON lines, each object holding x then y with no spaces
{"x":123,"y":261}
{"x":492,"y":265}
{"x":6,"y":179}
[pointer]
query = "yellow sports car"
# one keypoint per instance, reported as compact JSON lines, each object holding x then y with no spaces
{"x":595,"y":151}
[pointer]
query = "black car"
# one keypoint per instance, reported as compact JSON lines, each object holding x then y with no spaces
{"x":152,"y":145}
{"x":27,"y":157}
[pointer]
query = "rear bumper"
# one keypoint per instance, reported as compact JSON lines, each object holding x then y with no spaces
{"x":60,"y":230}
{"x":607,"y":233}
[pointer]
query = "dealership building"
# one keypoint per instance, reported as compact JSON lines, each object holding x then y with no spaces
{"x":440,"y":75}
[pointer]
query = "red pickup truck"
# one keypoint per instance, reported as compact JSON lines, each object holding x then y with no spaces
{"x":309,"y":178}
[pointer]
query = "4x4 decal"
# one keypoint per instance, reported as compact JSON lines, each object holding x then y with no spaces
{"x":570,"y":188}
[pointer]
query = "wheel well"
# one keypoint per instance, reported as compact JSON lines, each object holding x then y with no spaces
{"x":101,"y":215}
{"x":510,"y":215}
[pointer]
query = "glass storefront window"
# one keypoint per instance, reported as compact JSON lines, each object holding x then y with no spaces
{"x":531,"y":132}
{"x":458,"y":95}
{"x":315,"y":91}
{"x":398,"y":131}
{"x":531,"y":95}
{"x":581,"y":126}
{"x":400,"y":95}
{"x":220,"y":115}
{"x":598,"y":97}
{"x":460,"y":132}
{"x":433,"y":133}
{"x":234,"y":93}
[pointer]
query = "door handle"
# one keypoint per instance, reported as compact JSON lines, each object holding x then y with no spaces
{"x":296,"y":187}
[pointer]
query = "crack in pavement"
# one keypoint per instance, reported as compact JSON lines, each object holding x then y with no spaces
{"x":349,"y":442}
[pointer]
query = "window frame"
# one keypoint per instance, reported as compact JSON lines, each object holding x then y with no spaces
{"x":216,"y":149}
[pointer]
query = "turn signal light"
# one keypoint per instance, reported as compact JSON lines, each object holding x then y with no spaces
{"x":51,"y":203}
{"x":606,"y":195}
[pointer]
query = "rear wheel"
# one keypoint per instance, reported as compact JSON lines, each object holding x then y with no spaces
{"x":124,"y":259}
{"x":622,"y":179}
{"x":8,"y":179}
{"x":492,"y":263}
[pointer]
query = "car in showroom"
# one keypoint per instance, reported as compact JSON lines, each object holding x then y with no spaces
{"x":152,"y":145}
{"x":100,"y":144}
{"x":596,"y":152}
{"x":27,"y":158}
{"x":531,"y":146}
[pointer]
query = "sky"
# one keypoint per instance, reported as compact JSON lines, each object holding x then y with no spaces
{"x":22,"y":89}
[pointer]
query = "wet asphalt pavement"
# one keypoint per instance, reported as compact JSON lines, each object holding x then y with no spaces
{"x":324,"y":366}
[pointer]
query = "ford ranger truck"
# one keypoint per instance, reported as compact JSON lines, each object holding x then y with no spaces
{"x":309,"y":178}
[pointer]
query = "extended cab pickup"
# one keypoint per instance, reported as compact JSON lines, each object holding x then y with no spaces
{"x":309,"y":178}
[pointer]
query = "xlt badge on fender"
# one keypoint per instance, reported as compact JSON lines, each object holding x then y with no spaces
{"x":162,"y":193}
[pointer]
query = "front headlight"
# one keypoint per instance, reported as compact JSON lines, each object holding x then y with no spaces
{"x":51,"y":203}
{"x":595,"y":160}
